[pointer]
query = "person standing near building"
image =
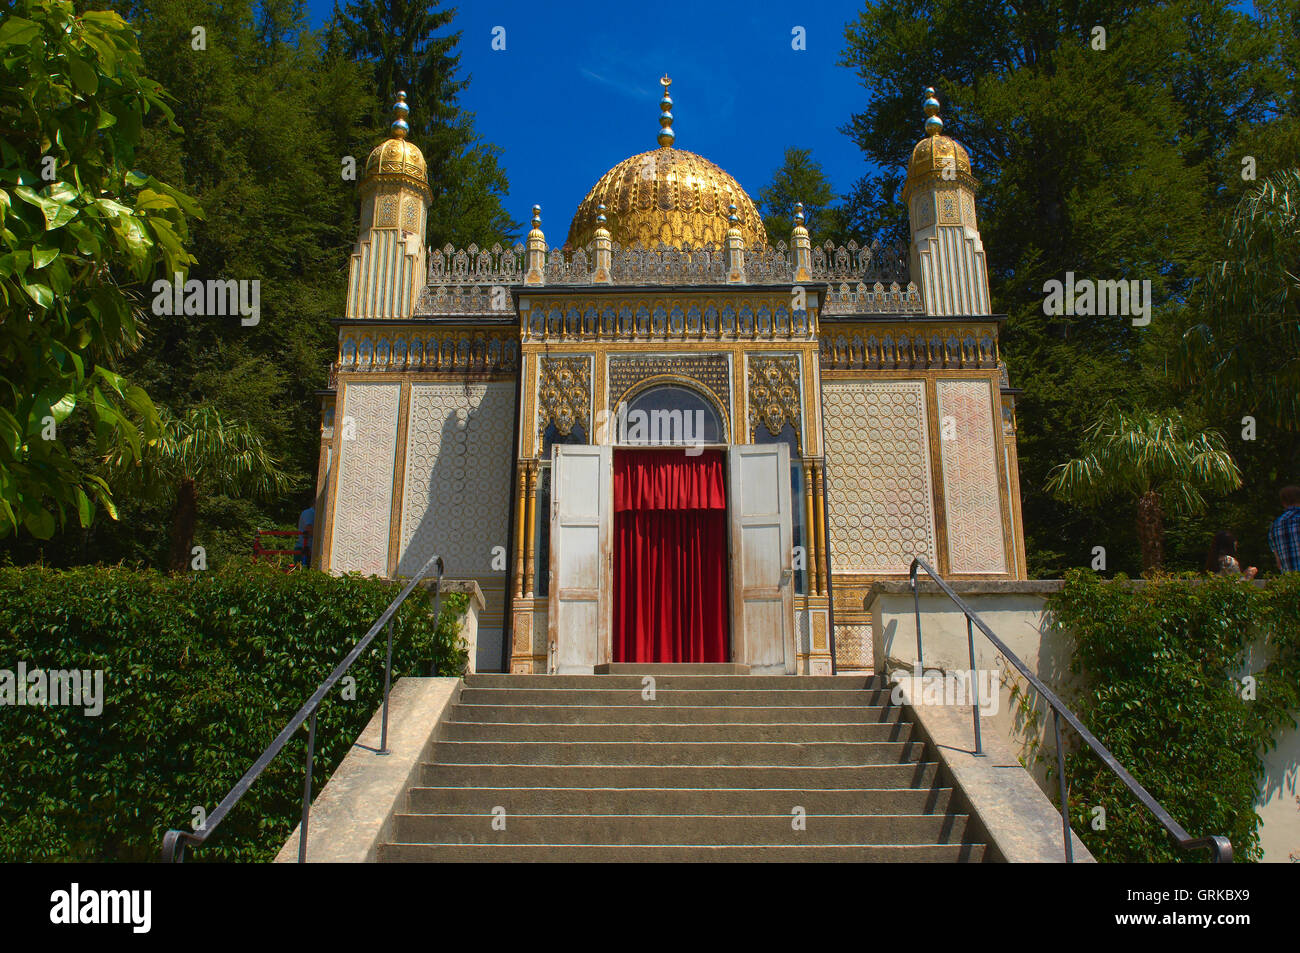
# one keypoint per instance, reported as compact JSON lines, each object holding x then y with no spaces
{"x":307,"y":529}
{"x":1284,"y":537}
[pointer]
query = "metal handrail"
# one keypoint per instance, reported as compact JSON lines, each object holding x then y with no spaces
{"x":1219,"y":846}
{"x":175,"y":842}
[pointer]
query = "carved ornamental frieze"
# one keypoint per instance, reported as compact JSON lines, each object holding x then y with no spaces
{"x":773,"y":393}
{"x":711,"y":371}
{"x":564,"y":394}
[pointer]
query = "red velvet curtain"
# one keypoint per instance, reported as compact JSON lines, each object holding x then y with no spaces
{"x":670,"y":557}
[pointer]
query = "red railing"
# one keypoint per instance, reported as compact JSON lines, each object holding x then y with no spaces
{"x":259,"y":550}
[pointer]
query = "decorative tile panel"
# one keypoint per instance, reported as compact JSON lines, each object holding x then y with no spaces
{"x":711,"y":371}
{"x":773,"y":393}
{"x":853,"y":646}
{"x":456,"y":496}
{"x":364,"y":498}
{"x":878,"y":463}
{"x":456,"y":499}
{"x":971,"y":492}
{"x":564,"y":394}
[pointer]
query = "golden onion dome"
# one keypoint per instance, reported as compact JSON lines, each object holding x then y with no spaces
{"x":936,"y":156}
{"x":397,"y":158}
{"x":666,"y":196}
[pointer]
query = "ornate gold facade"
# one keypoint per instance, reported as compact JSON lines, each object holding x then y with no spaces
{"x":890,"y":390}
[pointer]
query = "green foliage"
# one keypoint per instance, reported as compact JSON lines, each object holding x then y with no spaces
{"x":267,"y":118}
{"x":81,"y":235}
{"x":1158,"y":663}
{"x":800,"y":179}
{"x":402,"y":45}
{"x":201,"y":672}
{"x":1114,"y":163}
{"x":1130,"y":454}
{"x":1245,"y":349}
{"x":220,"y":456}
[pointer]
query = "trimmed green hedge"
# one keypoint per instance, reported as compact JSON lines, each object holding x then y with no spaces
{"x":1158,"y":663}
{"x":200,"y":674}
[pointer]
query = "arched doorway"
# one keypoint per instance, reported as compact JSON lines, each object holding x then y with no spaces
{"x":670,"y":529}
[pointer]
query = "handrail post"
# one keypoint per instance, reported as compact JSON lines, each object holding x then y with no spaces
{"x":975,"y":686}
{"x":1065,"y":791}
{"x":388,"y":675}
{"x":306,"y":789}
{"x":916,"y":605}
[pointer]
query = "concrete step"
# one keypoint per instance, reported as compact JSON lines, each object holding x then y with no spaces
{"x":464,"y":800}
{"x":615,"y":853}
{"x":853,"y":697}
{"x":682,"y":829}
{"x":672,"y":668}
{"x":677,"y":682}
{"x":646,"y":713}
{"x":504,"y":731}
{"x":918,"y":774}
{"x":807,"y":754}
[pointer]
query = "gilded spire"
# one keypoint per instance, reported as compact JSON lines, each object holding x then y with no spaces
{"x":400,"y":112}
{"x":933,"y":124}
{"x":666,"y":135}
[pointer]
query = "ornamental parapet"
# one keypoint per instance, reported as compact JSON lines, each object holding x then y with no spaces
{"x":747,"y":315}
{"x":474,"y":280}
{"x":908,"y":346}
{"x":414,"y":348}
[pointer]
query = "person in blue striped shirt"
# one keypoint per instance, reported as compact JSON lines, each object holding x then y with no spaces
{"x":1284,"y":537}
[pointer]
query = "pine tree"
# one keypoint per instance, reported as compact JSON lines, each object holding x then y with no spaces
{"x":402,"y":44}
{"x":799,"y":179}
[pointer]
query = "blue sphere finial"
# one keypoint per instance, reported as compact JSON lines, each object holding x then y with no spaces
{"x":933,"y":124}
{"x":400,"y":111}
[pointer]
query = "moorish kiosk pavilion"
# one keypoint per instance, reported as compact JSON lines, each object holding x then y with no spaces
{"x":675,"y":439}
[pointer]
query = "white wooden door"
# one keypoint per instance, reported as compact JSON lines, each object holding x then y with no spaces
{"x":581,"y":608}
{"x":762,"y":576}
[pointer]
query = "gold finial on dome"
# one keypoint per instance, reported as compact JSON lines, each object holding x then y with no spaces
{"x":936,"y":157}
{"x":933,"y":124}
{"x":400,"y":112}
{"x":666,"y":134}
{"x":800,"y":230}
{"x":666,"y":196}
{"x":397,"y":159}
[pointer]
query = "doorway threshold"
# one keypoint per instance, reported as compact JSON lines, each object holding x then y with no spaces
{"x":672,"y":668}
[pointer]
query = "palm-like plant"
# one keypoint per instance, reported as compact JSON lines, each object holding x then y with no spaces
{"x":1152,"y":459}
{"x":1245,"y":350}
{"x":202,"y":452}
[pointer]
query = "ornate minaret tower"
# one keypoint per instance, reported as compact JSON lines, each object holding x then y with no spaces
{"x":388,"y":264}
{"x":947,"y":255}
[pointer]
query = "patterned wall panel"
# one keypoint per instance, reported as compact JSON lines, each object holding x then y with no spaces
{"x":564,"y":394}
{"x":456,"y":499}
{"x":774,"y":394}
{"x":972,"y":501}
{"x":711,"y":371}
{"x":365,"y":487}
{"x":853,"y":647}
{"x":878,"y":461}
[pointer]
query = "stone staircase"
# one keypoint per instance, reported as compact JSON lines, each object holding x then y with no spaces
{"x":714,"y":768}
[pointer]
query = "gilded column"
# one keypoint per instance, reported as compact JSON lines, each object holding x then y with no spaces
{"x":810,"y":531}
{"x":521,"y":515}
{"x":530,"y":533}
{"x":819,"y":492}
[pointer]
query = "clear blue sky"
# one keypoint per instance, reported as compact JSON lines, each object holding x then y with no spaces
{"x":576,"y":90}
